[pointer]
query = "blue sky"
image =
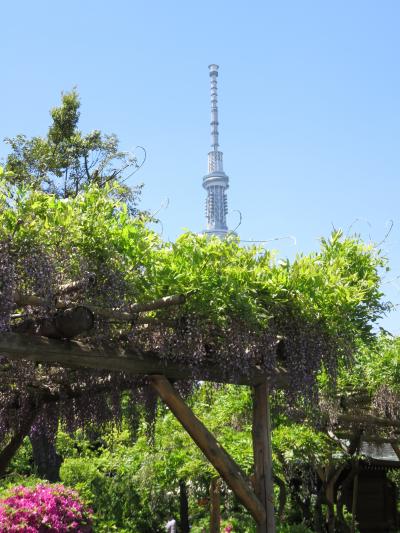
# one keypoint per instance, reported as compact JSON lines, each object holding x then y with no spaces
{"x":309,"y":106}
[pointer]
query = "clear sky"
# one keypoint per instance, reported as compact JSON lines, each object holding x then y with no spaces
{"x":309,"y":106}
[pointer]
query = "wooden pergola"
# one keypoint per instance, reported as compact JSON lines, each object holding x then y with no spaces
{"x":256,"y":494}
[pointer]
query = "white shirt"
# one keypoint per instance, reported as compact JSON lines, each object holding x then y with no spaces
{"x":171,"y":526}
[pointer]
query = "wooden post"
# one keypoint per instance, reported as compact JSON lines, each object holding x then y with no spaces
{"x":183,"y":507}
{"x":263,"y":483}
{"x":354,"y":503}
{"x":215,"y":453}
{"x":215,"y":503}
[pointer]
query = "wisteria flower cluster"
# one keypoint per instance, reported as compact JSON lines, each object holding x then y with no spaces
{"x":44,"y":508}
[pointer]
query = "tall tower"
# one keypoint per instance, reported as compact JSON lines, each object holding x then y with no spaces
{"x":216,"y":181}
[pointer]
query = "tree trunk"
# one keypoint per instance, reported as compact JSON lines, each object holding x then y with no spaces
{"x":183,"y":507}
{"x":215,"y":503}
{"x":318,"y":515}
{"x":330,"y":501}
{"x":282,"y":496}
{"x":46,"y":459}
{"x":305,"y":506}
{"x":16,"y":440}
{"x":263,"y":456}
{"x":341,"y":496}
{"x":332,"y":475}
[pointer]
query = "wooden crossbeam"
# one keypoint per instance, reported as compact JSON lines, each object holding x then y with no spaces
{"x":74,"y":354}
{"x":346,"y":435}
{"x":214,"y":452}
{"x":345,"y":419}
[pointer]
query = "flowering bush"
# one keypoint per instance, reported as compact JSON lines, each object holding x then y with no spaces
{"x":44,"y":508}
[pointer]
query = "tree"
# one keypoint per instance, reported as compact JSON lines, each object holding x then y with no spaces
{"x":63,"y":163}
{"x":66,"y":160}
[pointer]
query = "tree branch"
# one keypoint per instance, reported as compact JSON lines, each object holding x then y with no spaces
{"x":16,"y":440}
{"x":23,"y":300}
{"x":75,"y":286}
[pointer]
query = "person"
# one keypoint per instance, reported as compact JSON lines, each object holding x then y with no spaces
{"x":171,"y":526}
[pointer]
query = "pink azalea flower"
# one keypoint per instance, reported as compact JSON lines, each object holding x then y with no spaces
{"x":44,"y":508}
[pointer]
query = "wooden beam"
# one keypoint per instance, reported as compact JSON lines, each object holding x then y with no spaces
{"x":368,"y":438}
{"x":215,"y":453}
{"x":261,"y":431}
{"x":367,"y":419}
{"x":74,"y":354}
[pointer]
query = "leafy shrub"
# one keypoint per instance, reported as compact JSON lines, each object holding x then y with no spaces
{"x":44,"y":508}
{"x":12,"y":480}
{"x":110,"y":485}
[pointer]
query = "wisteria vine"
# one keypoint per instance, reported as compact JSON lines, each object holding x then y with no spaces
{"x":243,"y":310}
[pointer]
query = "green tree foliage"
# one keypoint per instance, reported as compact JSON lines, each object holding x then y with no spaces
{"x":93,"y":227}
{"x":375,"y":366}
{"x":66,"y":160}
{"x":339,"y":286}
{"x":138,"y":483}
{"x":369,"y":388}
{"x":240,"y":300}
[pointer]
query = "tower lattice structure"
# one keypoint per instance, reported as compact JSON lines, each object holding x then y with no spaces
{"x":216,"y":182}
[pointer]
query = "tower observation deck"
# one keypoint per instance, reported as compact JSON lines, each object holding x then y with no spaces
{"x":216,"y":182}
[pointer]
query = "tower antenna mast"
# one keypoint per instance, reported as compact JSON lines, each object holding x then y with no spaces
{"x":216,"y":182}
